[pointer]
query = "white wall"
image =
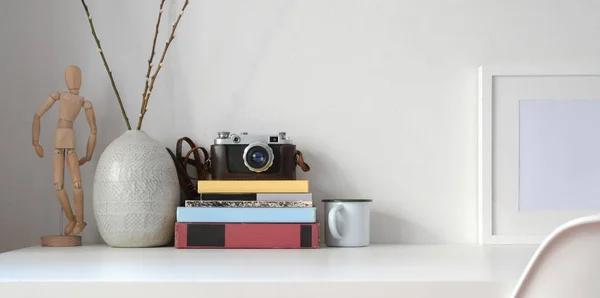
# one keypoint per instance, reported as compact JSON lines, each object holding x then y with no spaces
{"x":380,"y":95}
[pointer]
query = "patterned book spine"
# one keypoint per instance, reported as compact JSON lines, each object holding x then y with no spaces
{"x":240,"y":235}
{"x":248,"y":204}
{"x":254,"y":215}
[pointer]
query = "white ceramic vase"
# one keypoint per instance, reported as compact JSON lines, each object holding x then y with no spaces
{"x":136,"y":192}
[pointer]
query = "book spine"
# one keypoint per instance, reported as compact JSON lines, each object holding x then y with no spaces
{"x":253,"y":186}
{"x":228,"y":197}
{"x":241,"y":235}
{"x":247,"y":215}
{"x":256,"y":196}
{"x":284,"y":197}
{"x":248,"y":204}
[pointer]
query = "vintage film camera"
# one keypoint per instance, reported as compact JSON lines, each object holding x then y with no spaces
{"x":254,"y":157}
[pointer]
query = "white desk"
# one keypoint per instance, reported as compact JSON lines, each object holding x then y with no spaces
{"x":376,"y":271}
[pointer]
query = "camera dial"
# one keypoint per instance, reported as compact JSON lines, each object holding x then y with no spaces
{"x":258,"y":157}
{"x":235,"y":138}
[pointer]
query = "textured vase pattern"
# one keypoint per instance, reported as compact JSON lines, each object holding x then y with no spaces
{"x":136,"y":192}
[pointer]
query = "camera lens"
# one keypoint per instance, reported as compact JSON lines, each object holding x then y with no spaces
{"x":258,"y":157}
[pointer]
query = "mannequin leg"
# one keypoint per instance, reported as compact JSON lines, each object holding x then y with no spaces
{"x":63,"y":198}
{"x":73,"y":162}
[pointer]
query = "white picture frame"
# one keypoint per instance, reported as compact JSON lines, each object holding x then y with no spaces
{"x":496,"y":187}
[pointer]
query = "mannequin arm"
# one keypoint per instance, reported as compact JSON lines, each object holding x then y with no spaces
{"x":35,"y":131}
{"x":91,"y":119}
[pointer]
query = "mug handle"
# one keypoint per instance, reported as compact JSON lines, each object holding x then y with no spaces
{"x":332,"y":222}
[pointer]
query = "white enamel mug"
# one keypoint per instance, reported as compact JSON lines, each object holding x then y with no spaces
{"x":347,"y":222}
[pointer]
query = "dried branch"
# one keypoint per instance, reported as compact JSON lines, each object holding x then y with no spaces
{"x":160,"y":11}
{"x":112,"y":81}
{"x":160,"y":64}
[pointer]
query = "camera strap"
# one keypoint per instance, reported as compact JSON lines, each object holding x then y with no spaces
{"x":186,"y":182}
{"x":201,"y":169}
{"x":300,"y":161}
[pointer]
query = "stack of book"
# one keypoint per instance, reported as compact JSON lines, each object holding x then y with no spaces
{"x":249,"y":214}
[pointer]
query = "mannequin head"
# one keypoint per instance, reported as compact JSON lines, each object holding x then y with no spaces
{"x":73,"y":78}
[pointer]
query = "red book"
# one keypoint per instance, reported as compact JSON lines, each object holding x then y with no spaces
{"x":246,"y":235}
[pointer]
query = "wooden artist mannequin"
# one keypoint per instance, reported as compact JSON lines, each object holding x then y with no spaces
{"x":70,"y":104}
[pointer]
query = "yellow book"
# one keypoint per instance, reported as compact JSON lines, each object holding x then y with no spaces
{"x":253,"y":186}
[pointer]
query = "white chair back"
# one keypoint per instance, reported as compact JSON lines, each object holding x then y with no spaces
{"x":567,"y":263}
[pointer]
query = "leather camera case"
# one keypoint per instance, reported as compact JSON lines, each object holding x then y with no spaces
{"x":227,"y":163}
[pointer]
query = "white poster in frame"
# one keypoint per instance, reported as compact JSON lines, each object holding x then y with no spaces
{"x":539,"y":149}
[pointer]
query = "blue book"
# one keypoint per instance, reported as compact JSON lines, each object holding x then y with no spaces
{"x":254,"y":215}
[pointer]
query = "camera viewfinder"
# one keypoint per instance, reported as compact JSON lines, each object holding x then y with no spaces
{"x":273,"y":139}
